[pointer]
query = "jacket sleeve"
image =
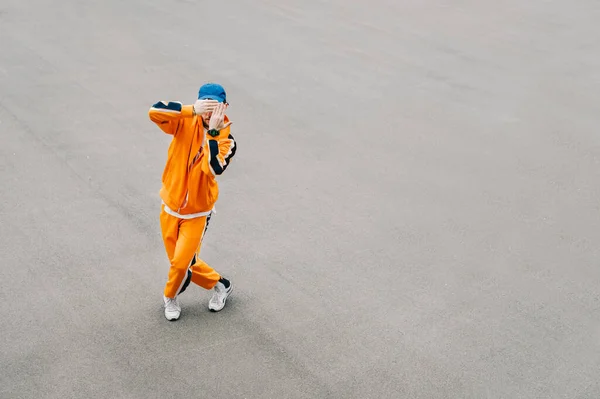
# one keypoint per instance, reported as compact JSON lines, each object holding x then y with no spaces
{"x":221,"y":150}
{"x":169,"y":115}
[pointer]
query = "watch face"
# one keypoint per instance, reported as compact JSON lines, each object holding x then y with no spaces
{"x":213,"y":132}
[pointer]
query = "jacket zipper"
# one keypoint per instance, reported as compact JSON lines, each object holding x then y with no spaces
{"x":187,"y":192}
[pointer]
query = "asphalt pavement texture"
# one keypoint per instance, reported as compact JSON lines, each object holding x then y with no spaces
{"x":413,"y":210}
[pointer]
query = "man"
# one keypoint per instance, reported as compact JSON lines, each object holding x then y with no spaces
{"x":201,"y":149}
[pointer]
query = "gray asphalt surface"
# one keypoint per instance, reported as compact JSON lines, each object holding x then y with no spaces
{"x":413,"y":210}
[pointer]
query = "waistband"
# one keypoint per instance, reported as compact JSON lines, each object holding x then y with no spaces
{"x":188,"y":216}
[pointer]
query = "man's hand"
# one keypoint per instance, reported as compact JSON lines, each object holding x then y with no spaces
{"x":217,"y":118}
{"x":203,"y":106}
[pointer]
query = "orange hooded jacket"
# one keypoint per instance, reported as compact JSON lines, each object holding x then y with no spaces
{"x":194,"y":160}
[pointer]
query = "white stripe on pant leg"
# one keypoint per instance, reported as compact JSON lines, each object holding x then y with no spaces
{"x":205,"y":227}
{"x":195,"y":255}
{"x":182,"y":282}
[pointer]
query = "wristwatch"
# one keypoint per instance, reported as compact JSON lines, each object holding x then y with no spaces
{"x":213,"y":132}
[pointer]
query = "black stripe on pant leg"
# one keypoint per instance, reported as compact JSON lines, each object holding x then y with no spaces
{"x":188,"y":278}
{"x":206,"y":226}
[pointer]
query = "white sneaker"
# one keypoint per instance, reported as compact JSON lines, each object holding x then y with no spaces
{"x":172,"y":308}
{"x":217,"y":302}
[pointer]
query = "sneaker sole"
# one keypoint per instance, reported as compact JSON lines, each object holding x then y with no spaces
{"x":172,"y":319}
{"x":224,"y":302}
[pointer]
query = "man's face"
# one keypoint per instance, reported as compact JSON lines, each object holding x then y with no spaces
{"x":210,"y":109}
{"x":206,"y":115}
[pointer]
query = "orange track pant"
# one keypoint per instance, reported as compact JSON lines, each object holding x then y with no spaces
{"x":183,"y":240}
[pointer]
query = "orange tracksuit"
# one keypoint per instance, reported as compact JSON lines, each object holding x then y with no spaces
{"x":189,"y":191}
